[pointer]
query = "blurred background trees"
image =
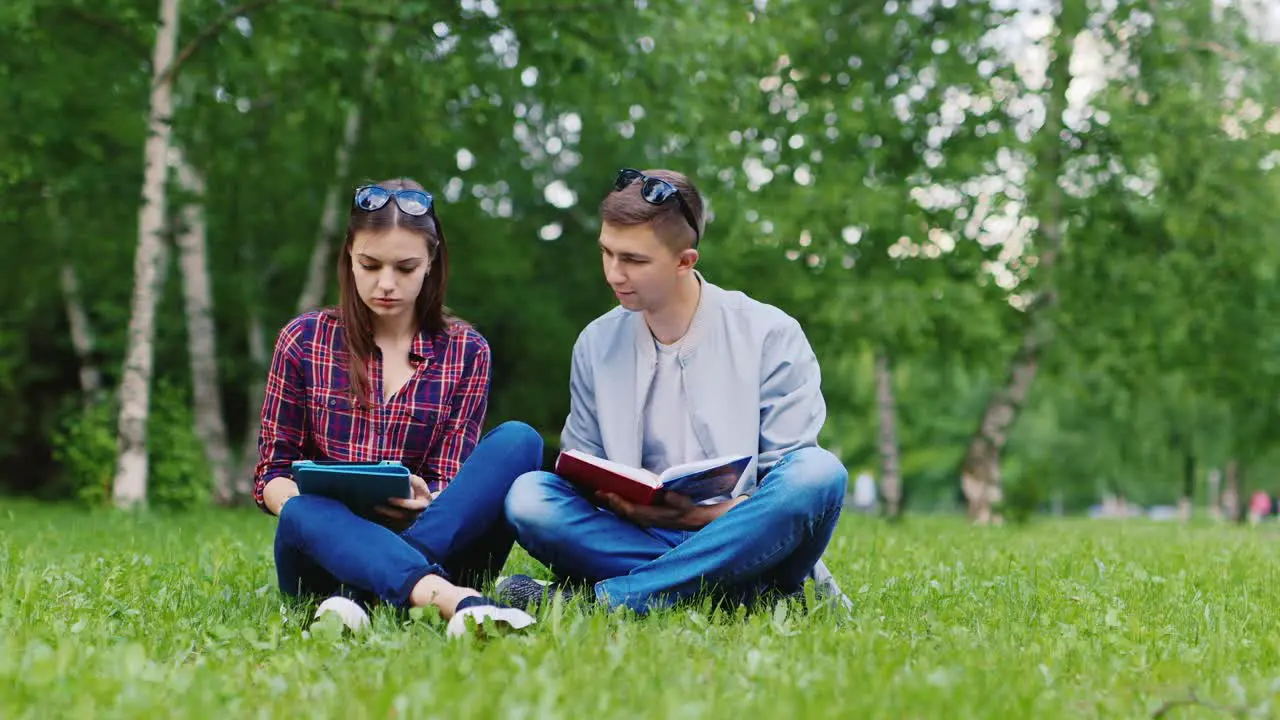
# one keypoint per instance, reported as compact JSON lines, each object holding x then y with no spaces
{"x":1035,"y":244}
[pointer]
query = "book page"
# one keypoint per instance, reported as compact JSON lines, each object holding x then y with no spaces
{"x":677,"y":471}
{"x":640,"y":475}
{"x":711,"y":481}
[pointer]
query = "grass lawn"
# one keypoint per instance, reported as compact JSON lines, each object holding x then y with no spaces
{"x":103,"y":615}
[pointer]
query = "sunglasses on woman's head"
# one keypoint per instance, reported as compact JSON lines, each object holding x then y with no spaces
{"x":411,"y":202}
{"x":657,"y":191}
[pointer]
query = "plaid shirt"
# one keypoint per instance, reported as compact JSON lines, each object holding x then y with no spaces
{"x":431,"y":424}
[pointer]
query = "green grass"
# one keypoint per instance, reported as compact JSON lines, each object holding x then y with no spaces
{"x":104,"y":615}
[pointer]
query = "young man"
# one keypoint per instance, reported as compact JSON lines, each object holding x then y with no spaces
{"x":683,"y":371}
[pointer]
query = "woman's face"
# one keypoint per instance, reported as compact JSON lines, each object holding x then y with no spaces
{"x":390,"y":267}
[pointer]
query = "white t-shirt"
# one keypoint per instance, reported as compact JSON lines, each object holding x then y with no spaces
{"x":668,"y":431}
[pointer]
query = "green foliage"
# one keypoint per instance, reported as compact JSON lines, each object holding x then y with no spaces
{"x":179,"y":471}
{"x":85,"y":448}
{"x":817,"y":129}
{"x":1024,"y":498}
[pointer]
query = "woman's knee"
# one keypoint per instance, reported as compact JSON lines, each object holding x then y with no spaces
{"x":295,"y":512}
{"x":305,"y":515}
{"x":519,"y":440}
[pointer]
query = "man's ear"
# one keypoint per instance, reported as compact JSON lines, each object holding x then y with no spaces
{"x":688,"y":259}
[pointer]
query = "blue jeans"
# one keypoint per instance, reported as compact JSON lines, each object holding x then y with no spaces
{"x":323,"y":548}
{"x":768,"y":542}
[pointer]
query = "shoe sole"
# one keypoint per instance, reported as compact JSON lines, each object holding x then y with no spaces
{"x":486,"y":618}
{"x":352,"y":615}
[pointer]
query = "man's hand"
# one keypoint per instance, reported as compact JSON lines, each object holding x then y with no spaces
{"x":400,"y":513}
{"x":673,"y":511}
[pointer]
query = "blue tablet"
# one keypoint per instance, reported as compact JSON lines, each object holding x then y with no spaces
{"x":358,"y":485}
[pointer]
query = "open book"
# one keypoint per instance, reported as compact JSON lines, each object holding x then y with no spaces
{"x":704,"y":481}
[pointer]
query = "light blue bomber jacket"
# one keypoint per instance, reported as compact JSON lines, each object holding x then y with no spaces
{"x":752,"y":381}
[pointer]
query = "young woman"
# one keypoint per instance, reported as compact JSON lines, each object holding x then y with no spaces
{"x":389,"y":375}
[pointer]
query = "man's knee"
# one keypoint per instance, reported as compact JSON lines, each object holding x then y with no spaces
{"x":530,"y":505}
{"x":815,"y":478}
{"x":520,"y":440}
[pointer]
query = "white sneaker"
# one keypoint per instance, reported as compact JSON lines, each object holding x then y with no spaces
{"x":352,"y":615}
{"x":488,"y":620}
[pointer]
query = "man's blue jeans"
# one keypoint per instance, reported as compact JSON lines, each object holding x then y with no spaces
{"x":769,"y":542}
{"x":323,"y":548}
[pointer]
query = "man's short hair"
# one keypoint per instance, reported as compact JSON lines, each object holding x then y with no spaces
{"x":626,"y":208}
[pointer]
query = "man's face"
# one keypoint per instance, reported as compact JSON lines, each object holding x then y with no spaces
{"x":640,"y":268}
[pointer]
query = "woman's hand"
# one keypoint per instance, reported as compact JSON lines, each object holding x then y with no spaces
{"x":277,"y":492}
{"x":400,"y":513}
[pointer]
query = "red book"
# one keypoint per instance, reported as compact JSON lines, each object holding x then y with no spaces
{"x":704,"y":481}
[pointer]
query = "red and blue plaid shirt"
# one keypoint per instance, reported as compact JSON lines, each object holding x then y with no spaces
{"x":431,"y":424}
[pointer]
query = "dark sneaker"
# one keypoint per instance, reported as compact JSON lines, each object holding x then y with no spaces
{"x":525,"y":592}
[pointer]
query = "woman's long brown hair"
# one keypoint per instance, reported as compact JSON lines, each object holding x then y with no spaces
{"x":429,"y":310}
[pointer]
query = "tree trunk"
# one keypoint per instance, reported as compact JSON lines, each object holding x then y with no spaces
{"x":1215,"y":494}
{"x":129,"y":487}
{"x":980,"y":476}
{"x":1231,"y":492}
{"x":193,"y":262}
{"x":890,"y":473}
{"x":1188,"y":485}
{"x":82,"y":339}
{"x":257,"y":393}
{"x":318,"y":271}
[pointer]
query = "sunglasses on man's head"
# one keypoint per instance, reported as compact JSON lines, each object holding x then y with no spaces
{"x":411,"y":202}
{"x":657,"y":191}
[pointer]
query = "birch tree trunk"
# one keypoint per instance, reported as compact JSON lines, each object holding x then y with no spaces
{"x":980,"y":474}
{"x":257,"y":393}
{"x":82,"y":338}
{"x":1215,"y":494}
{"x":197,"y":293}
{"x":1188,"y":485}
{"x":321,"y":264}
{"x":321,"y":254}
{"x":1231,"y":503}
{"x":129,"y":487}
{"x":890,"y":468}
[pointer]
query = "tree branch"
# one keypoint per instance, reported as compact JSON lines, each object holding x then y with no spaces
{"x":212,"y":29}
{"x":595,"y":42}
{"x":1184,"y":42}
{"x":360,"y":13}
{"x":115,"y":29}
{"x":208,"y":32}
{"x":548,"y":10}
{"x":426,"y":20}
